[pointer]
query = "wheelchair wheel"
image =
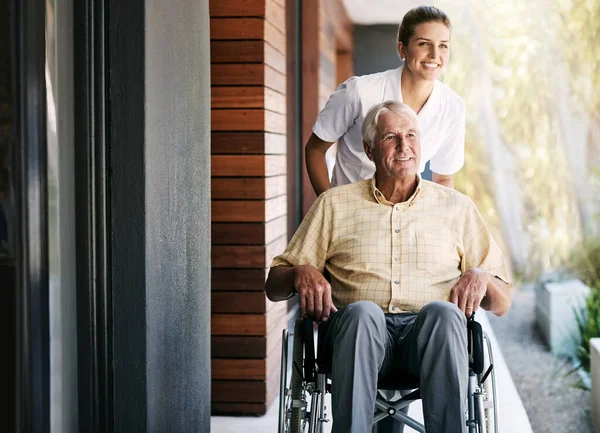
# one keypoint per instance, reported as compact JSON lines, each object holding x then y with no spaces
{"x":298,"y":403}
{"x":488,"y":387}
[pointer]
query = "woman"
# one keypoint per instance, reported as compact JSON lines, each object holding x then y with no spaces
{"x":424,"y":46}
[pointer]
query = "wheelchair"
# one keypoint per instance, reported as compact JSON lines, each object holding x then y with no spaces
{"x":305,"y":381}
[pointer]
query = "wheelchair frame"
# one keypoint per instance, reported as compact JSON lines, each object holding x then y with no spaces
{"x":302,"y":399}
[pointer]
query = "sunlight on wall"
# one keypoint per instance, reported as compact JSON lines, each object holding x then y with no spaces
{"x":530,"y":75}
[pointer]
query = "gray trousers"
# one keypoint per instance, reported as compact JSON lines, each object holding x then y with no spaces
{"x":367,"y":346}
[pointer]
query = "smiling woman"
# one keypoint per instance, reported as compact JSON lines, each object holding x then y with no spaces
{"x":424,"y":45}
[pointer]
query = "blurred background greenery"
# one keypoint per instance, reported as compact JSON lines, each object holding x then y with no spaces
{"x":530,"y":75}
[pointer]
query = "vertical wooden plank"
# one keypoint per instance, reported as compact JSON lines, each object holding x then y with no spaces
{"x":310,"y":88}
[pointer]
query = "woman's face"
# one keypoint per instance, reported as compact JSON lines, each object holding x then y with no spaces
{"x":428,"y":50}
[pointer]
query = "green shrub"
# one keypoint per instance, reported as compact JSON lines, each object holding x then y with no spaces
{"x":586,"y":264}
{"x":588,"y":323}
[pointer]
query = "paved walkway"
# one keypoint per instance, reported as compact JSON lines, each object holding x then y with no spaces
{"x":552,"y":403}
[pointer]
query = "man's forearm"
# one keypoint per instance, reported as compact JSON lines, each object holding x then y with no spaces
{"x":498,"y":297}
{"x":280,"y":283}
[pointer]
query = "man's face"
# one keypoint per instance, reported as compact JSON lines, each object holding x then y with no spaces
{"x":396,"y":151}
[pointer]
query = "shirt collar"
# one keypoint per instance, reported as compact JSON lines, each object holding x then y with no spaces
{"x":380,"y":198}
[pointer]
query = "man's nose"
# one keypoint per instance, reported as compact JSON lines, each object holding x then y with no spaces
{"x":401,"y":144}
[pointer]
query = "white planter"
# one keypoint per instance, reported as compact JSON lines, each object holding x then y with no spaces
{"x":595,"y":374}
{"x":556,"y":304}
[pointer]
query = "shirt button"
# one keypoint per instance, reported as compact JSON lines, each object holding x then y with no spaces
{"x":397,"y":230}
{"x":396,"y":208}
{"x":396,"y":282}
{"x":396,"y":258}
{"x":393,"y":308}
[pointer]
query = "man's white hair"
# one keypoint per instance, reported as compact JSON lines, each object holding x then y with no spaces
{"x":370,"y":126}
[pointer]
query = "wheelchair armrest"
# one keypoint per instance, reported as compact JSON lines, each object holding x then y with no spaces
{"x":308,"y":337}
{"x":475,"y":345}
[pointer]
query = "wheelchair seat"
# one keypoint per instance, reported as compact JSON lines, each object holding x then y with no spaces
{"x":305,"y":380}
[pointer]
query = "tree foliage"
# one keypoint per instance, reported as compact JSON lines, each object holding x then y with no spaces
{"x":537,"y":64}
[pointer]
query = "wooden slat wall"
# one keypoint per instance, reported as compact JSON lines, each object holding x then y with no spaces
{"x":249,"y":203}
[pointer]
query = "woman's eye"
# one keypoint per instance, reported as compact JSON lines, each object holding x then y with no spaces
{"x":444,"y":46}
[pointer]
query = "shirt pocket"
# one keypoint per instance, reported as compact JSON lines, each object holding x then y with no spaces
{"x":437,"y":253}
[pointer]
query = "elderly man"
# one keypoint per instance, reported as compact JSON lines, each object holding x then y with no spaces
{"x":409,"y":261}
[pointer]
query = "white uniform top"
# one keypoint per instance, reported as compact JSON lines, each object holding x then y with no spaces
{"x":441,"y":122}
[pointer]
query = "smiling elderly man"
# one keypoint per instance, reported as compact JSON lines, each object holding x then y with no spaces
{"x":409,"y":260}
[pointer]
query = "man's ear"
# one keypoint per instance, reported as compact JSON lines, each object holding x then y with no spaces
{"x":368,"y":150}
{"x":401,"y":51}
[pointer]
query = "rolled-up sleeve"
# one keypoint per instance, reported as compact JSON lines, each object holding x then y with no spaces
{"x":340,"y":112}
{"x":480,"y":250}
{"x":310,"y":243}
{"x":450,"y":156}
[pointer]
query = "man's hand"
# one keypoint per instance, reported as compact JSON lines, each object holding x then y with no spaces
{"x":314,"y":292}
{"x":469,"y":290}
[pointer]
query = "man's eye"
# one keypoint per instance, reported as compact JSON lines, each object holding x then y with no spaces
{"x":389,"y":137}
{"x":423,"y":43}
{"x":411,"y":135}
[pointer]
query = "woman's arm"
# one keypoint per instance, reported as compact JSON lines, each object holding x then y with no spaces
{"x":316,"y":165}
{"x":443,"y":179}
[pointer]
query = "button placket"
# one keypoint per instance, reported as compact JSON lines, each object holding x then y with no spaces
{"x":395,"y":257}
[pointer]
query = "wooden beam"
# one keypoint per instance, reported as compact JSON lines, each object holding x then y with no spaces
{"x":247,"y":142}
{"x":248,"y":210}
{"x":236,"y":8}
{"x":238,"y":347}
{"x":246,"y":256}
{"x":237,"y":28}
{"x":344,"y":27}
{"x":226,"y":408}
{"x":248,"y":97}
{"x":239,"y":391}
{"x":310,"y":92}
{"x":247,"y":74}
{"x":239,"y":369}
{"x":248,"y":233}
{"x":237,"y":187}
{"x":242,"y":256}
{"x":272,"y":10}
{"x":238,"y":302}
{"x":247,"y":52}
{"x":344,"y":67}
{"x":248,"y":120}
{"x":238,"y":279}
{"x":247,"y":165}
{"x":239,"y":324}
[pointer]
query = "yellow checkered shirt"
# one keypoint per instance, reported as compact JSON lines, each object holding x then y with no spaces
{"x":400,"y":256}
